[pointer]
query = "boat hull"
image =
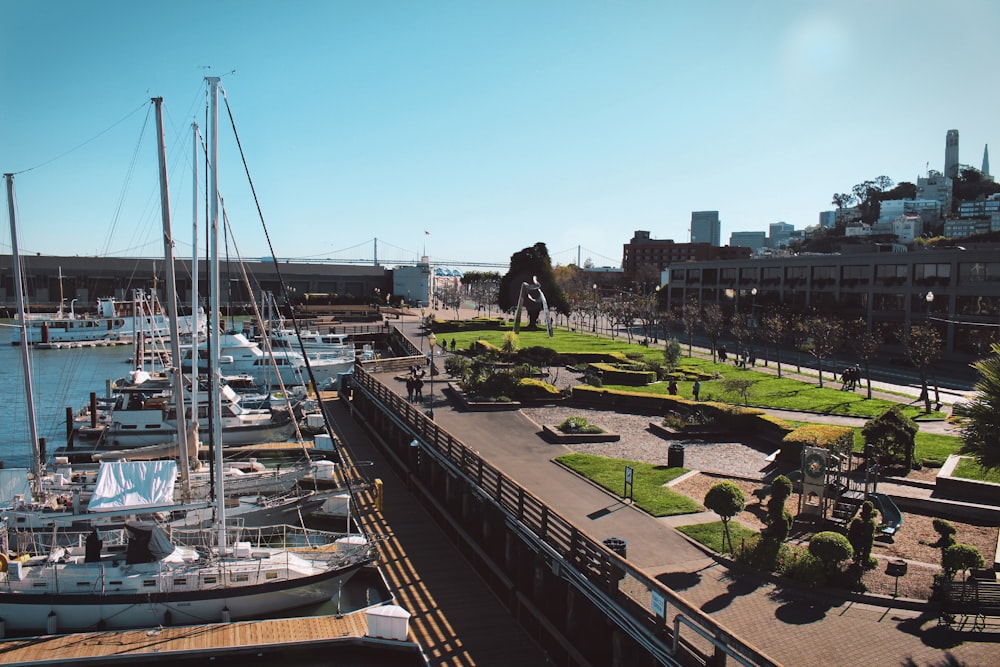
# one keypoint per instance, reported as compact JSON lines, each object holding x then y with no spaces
{"x":27,"y":613}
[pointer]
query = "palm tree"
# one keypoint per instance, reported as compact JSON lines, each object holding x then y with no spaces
{"x":981,"y":425}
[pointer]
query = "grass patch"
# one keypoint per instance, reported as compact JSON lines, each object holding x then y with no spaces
{"x":768,"y":391}
{"x":710,"y":534}
{"x":648,"y":491}
{"x":969,"y":469}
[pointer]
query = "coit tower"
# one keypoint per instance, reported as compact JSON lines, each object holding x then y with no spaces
{"x":951,"y":154}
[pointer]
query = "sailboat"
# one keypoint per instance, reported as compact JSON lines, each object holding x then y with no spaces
{"x":143,"y":574}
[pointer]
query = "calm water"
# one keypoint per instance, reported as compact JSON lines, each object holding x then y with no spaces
{"x":60,"y":378}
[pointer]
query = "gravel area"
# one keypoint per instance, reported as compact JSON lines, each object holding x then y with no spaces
{"x":639,"y":443}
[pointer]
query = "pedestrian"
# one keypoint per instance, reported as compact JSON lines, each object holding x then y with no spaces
{"x":452,"y":344}
{"x":722,"y":353}
{"x":753,"y":360}
{"x":418,"y":389}
{"x":672,"y":388}
{"x":696,"y":389}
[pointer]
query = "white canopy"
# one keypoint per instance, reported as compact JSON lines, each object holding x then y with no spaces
{"x":133,"y":484}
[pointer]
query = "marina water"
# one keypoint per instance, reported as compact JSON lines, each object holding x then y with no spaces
{"x":61,"y":378}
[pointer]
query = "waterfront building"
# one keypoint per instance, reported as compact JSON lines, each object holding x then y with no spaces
{"x":886,"y":289}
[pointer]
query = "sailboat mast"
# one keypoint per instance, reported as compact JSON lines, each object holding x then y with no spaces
{"x":214,"y":320}
{"x":175,"y":343}
{"x":36,"y":458}
{"x":195,"y":323}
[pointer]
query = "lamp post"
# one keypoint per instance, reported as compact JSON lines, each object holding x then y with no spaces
{"x":431,"y":341}
{"x":753,"y":326}
{"x":597,"y":303}
{"x":421,"y":327}
{"x":929,"y":298}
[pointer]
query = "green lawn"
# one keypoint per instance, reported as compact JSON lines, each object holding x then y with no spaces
{"x":648,"y":490}
{"x":767,"y":391}
{"x":969,"y":469}
{"x":710,"y":534}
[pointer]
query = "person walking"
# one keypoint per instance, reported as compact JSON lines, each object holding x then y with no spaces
{"x":672,"y":388}
{"x":418,"y":390}
{"x":696,"y":389}
{"x":410,"y":387}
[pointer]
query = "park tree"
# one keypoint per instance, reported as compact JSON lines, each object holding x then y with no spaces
{"x":867,"y":344}
{"x":778,"y":519}
{"x":483,"y":288}
{"x":739,"y":386}
{"x":450,"y":295}
{"x":690,"y":319}
{"x":671,"y":354}
{"x":892,"y":435}
{"x":923,"y":348}
{"x":825,"y":335}
{"x":532,"y":266}
{"x":981,"y":413}
{"x":773,"y":328}
{"x":727,"y":500}
{"x":713,"y":323}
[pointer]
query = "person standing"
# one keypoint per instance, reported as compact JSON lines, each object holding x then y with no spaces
{"x":696,"y":389}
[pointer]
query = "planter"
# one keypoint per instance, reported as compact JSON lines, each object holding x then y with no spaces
{"x":553,"y":434}
{"x":480,"y":406}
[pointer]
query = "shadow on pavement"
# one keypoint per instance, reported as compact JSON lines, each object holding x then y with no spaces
{"x":738,"y":587}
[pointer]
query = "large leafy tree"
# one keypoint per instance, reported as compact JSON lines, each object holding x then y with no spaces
{"x":532,"y":265}
{"x":981,"y":424}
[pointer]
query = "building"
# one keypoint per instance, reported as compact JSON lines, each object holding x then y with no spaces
{"x":937,"y":187}
{"x":827,"y":219}
{"x":706,"y":228}
{"x":928,"y":210}
{"x":85,"y":279}
{"x":647,"y":255}
{"x":888,"y":291}
{"x":752,"y":240}
{"x":779,"y":234}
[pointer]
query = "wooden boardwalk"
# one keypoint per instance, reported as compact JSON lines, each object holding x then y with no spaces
{"x":455,"y":619}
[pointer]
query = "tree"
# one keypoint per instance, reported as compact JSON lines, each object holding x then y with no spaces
{"x":483,"y":288}
{"x":779,"y":519}
{"x":831,"y":548}
{"x":713,"y":322}
{"x":866,"y":344}
{"x":824,"y":338}
{"x":739,"y":386}
{"x":923,"y":347}
{"x":981,"y":414}
{"x":892,"y":435}
{"x":450,"y":296}
{"x":773,"y":328}
{"x":690,"y":318}
{"x":727,"y":500}
{"x":671,"y":353}
{"x":960,"y":558}
{"x":528,"y":266}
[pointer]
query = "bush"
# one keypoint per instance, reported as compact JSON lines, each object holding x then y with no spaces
{"x":578,"y":425}
{"x":804,"y":568}
{"x":530,"y":389}
{"x":959,"y":558}
{"x":831,"y":548}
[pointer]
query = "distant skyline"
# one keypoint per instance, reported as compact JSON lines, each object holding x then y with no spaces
{"x":472,"y":130}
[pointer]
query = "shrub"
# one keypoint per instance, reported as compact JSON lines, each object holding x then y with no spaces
{"x":861,"y":534}
{"x":804,"y":568}
{"x":577,"y":424}
{"x":530,"y":389}
{"x":959,"y":558}
{"x":458,"y":367}
{"x":727,"y":500}
{"x":831,"y":548}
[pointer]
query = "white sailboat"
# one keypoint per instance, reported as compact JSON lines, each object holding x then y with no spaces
{"x":142,"y":575}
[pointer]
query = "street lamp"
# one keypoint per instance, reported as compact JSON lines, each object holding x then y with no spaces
{"x":753,"y":326}
{"x":929,"y":298}
{"x":432,"y":341}
{"x":597,"y":300}
{"x":421,"y":330}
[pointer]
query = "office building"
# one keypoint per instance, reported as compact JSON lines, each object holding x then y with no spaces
{"x":706,"y":228}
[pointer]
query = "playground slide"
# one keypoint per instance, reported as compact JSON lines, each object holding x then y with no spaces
{"x":892,"y":518}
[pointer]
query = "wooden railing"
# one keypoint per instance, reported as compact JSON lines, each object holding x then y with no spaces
{"x":587,"y":556}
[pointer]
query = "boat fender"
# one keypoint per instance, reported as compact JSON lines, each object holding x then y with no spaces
{"x":4,"y":562}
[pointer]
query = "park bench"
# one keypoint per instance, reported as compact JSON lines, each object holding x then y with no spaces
{"x":974,"y":599}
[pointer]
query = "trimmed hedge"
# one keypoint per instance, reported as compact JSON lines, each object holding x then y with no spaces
{"x":530,"y":389}
{"x":597,"y":357}
{"x":834,"y":438}
{"x":613,"y":374}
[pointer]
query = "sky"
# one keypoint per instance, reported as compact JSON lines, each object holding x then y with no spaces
{"x":466,"y":131}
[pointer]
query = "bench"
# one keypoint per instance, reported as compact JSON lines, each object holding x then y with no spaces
{"x":975,"y":599}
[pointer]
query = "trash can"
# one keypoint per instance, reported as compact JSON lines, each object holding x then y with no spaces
{"x":675,"y":456}
{"x":616,"y":544}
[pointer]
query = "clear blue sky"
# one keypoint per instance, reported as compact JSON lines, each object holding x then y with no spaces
{"x":490,"y":125}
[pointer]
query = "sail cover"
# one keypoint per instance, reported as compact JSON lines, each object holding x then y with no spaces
{"x":13,"y":482}
{"x":123,"y":485}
